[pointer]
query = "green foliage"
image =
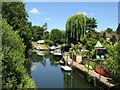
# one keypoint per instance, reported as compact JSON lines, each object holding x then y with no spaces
{"x":88,"y":54}
{"x":16,"y":16}
{"x":75,"y":27}
{"x":76,"y":48}
{"x":63,"y":38}
{"x":104,"y":35}
{"x":90,"y":40}
{"x":113,"y":58}
{"x":14,"y":73}
{"x":109,"y":30}
{"x":37,"y":33}
{"x":114,"y":39}
{"x":65,"y":48}
{"x":44,"y":27}
{"x":98,"y":59}
{"x":57,"y":36}
{"x":46,"y":35}
{"x":49,"y":42}
{"x":90,"y":23}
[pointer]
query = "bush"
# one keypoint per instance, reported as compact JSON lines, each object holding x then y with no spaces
{"x":14,"y":74}
{"x":65,"y":48}
{"x":49,"y":42}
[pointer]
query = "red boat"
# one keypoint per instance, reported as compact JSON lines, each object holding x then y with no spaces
{"x":102,"y":72}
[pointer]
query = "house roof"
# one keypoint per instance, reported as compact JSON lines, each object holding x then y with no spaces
{"x":109,"y":35}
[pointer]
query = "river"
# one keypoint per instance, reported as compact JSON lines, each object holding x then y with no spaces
{"x":46,"y":73}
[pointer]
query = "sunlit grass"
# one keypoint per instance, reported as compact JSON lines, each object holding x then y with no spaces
{"x":41,"y":45}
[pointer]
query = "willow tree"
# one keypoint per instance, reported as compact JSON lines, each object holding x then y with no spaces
{"x":76,"y":27}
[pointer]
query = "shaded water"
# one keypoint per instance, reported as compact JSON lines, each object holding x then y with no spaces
{"x":46,"y":72}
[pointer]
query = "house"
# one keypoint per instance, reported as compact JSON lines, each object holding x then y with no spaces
{"x":109,"y":35}
{"x":118,"y":30}
{"x":41,"y":42}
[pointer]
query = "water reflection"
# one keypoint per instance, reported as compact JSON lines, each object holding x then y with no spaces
{"x":34,"y":57}
{"x":46,"y":72}
{"x":33,"y":67}
{"x":74,"y":80}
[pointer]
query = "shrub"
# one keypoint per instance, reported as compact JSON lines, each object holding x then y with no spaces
{"x":14,"y":74}
{"x":65,"y":48}
{"x":49,"y":42}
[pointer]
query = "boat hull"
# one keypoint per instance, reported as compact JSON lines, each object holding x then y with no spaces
{"x":66,"y":68}
{"x":102,"y":72}
{"x":88,"y":66}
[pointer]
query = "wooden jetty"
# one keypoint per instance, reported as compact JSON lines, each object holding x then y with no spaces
{"x":92,"y":73}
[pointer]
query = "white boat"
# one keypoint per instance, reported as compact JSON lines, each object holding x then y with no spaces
{"x":61,"y":62}
{"x":39,"y":48}
{"x":66,"y":68}
{"x":40,"y":53}
{"x":57,"y":53}
{"x":69,"y":63}
{"x":52,"y":52}
{"x":52,"y":48}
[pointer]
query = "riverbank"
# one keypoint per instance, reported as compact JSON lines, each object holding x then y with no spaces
{"x":95,"y":76}
{"x":43,"y":46}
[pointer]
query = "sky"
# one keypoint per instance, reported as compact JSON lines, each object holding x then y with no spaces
{"x":56,"y":14}
{"x":70,"y":0}
{"x":119,"y":13}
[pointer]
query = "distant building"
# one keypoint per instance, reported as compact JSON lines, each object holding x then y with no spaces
{"x":109,"y":35}
{"x":118,"y":29}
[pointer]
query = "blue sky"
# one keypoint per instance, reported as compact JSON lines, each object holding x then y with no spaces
{"x":55,"y":14}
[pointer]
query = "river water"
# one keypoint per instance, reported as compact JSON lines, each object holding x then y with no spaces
{"x":46,"y":73}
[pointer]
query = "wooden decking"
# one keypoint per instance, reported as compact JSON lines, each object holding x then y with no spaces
{"x":92,"y":73}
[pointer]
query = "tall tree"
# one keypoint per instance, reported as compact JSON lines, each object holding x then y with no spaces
{"x":63,"y":38}
{"x":114,"y":39}
{"x":104,"y":35}
{"x":109,"y":30}
{"x":55,"y":36}
{"x":91,"y":23}
{"x":44,"y":27}
{"x":16,"y":16}
{"x":76,"y":27}
{"x":46,"y":35}
{"x":37,"y":32}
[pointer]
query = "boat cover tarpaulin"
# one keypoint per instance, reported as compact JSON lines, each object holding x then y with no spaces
{"x":102,"y":72}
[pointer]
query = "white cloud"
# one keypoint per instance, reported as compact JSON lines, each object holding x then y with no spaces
{"x":34,"y":11}
{"x":81,"y":13}
{"x":46,"y":19}
{"x":92,"y":14}
{"x":84,"y":13}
